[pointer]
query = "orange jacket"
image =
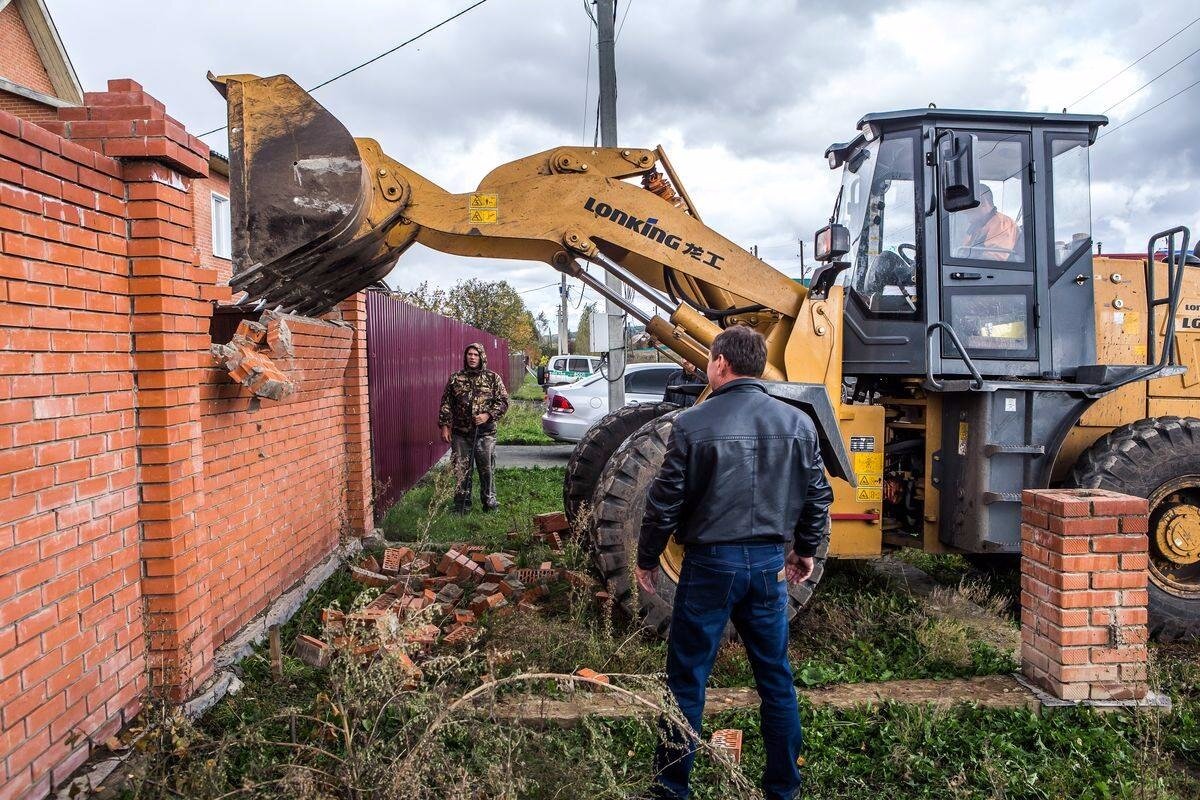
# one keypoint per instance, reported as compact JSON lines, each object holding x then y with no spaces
{"x":994,"y":240}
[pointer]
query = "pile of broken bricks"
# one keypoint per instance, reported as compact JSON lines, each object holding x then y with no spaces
{"x":248,"y":356}
{"x":458,"y":588}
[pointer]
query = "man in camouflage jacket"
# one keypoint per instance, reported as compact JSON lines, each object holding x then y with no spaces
{"x":474,"y":399}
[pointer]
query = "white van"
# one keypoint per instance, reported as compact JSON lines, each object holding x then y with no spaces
{"x":568,"y":369}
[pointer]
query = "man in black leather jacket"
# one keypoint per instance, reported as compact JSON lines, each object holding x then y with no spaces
{"x":743,"y":489}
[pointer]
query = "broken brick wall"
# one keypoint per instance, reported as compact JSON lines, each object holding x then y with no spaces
{"x":277,"y":474}
{"x":146,"y":510}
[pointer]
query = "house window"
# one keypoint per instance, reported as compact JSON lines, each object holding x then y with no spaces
{"x":221,"y":227}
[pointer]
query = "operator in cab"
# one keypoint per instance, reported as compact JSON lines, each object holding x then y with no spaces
{"x":987,"y":233}
{"x":473,"y":401}
{"x":743,"y":489}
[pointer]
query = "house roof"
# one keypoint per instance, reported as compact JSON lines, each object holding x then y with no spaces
{"x":43,"y":33}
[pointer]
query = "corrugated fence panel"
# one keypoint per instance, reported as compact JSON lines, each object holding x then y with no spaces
{"x":410,"y":354}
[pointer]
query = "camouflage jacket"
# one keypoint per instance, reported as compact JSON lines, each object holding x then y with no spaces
{"x":470,"y":392}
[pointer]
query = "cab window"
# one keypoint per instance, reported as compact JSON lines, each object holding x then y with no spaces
{"x":995,"y":232}
{"x":879,"y":205}
{"x":559,"y":365}
{"x":1070,"y":188}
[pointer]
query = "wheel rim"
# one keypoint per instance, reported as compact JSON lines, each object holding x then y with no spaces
{"x":1175,"y":537}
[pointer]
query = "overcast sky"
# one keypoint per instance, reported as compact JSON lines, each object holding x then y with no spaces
{"x":744,"y":96}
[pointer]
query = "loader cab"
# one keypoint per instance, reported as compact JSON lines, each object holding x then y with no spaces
{"x":969,"y":244}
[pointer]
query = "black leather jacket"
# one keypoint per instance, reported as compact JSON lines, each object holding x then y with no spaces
{"x":741,"y":467}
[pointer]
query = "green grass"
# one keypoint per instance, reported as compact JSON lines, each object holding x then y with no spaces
{"x":529,"y":390}
{"x":859,"y":627}
{"x":521,"y":492}
{"x":523,"y":422}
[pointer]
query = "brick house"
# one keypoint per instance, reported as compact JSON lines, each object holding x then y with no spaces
{"x":36,"y":76}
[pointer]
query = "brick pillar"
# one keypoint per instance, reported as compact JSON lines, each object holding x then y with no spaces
{"x":170,"y":320}
{"x":359,"y":495}
{"x":1083,"y":593}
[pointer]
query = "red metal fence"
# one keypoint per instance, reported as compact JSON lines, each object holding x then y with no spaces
{"x":410,"y":354}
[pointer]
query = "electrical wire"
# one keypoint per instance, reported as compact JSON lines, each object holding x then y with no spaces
{"x":1152,"y":80}
{"x":1134,"y":63}
{"x":405,"y":43}
{"x":587,"y":80}
{"x":1106,"y":134}
{"x":621,"y":27}
{"x":538,"y":289}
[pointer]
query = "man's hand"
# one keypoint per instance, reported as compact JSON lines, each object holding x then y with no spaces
{"x":798,"y":568}
{"x":647,"y":578}
{"x":446,"y":434}
{"x":481,"y":419}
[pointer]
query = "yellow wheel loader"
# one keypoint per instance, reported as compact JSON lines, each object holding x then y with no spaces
{"x":959,"y":343}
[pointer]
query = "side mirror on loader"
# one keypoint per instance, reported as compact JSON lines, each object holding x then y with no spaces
{"x":956,"y":171}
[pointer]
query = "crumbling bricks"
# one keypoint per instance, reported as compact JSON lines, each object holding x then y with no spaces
{"x":1083,"y":593}
{"x":591,"y":675}
{"x":368,"y":577}
{"x":396,"y":557}
{"x":728,"y":742}
{"x":554,"y":522}
{"x":248,"y":364}
{"x":313,"y":651}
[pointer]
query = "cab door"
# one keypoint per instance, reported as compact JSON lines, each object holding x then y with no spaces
{"x":881,"y":203}
{"x":987,"y":261}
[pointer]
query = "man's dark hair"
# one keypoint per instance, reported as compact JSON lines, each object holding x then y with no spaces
{"x":744,"y":349}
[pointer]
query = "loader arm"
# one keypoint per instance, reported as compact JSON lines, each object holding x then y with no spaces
{"x":319,"y":215}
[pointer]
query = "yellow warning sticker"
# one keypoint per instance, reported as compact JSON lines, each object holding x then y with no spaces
{"x":484,"y":201}
{"x":868,"y":462}
{"x":484,"y":216}
{"x":865,"y":495}
{"x":1132,"y":324}
{"x":867,"y":479}
{"x":962,"y":438}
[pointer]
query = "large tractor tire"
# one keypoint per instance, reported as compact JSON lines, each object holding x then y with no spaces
{"x":618,"y":504}
{"x":1158,"y":459}
{"x":597,"y":445}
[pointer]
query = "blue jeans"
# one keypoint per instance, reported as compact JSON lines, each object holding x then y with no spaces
{"x":744,"y":583}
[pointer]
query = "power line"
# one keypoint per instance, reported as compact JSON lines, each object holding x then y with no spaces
{"x":381,"y":55}
{"x":1147,"y":111}
{"x":587,"y":80}
{"x":1134,"y":63}
{"x":1152,"y":80}
{"x":621,"y":27}
{"x":538,"y":289}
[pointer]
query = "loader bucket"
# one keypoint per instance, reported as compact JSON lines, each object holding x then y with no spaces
{"x":299,"y":196}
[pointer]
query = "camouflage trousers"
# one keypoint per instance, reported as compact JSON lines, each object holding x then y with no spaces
{"x":464,"y":464}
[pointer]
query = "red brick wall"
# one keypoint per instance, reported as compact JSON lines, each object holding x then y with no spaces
{"x":202,"y":222}
{"x":19,"y":59}
{"x":1083,"y":593}
{"x":275,"y":475}
{"x":146,"y":510}
{"x":25,"y":108}
{"x":71,"y":645}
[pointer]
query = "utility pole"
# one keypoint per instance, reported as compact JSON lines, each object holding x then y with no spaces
{"x":563,"y":334}
{"x":607,"y":57}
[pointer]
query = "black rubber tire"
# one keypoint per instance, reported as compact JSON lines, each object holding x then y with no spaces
{"x":1137,"y":459}
{"x":597,"y":445}
{"x":618,"y":505}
